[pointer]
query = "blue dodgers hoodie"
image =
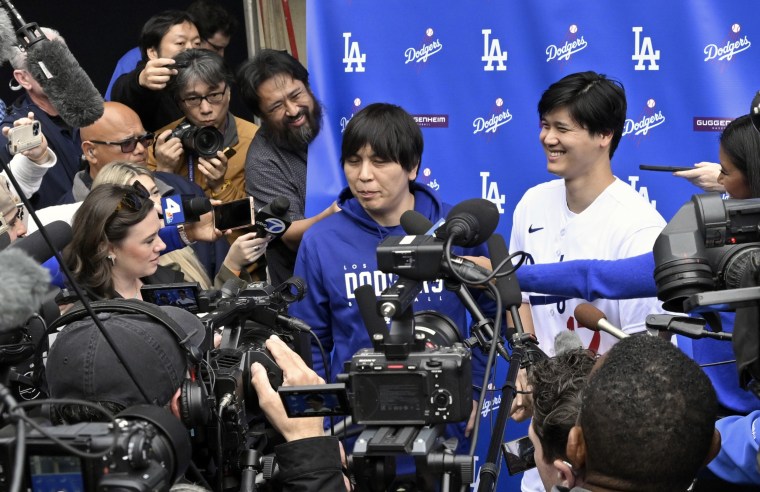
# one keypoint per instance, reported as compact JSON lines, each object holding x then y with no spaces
{"x":338,"y":254}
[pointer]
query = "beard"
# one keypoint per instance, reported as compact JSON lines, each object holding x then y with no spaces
{"x":296,"y":138}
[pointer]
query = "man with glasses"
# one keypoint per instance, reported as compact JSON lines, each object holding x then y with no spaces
{"x":201,"y":89}
{"x":62,"y":140}
{"x":117,"y":135}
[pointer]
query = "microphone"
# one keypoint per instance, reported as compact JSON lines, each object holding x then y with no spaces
{"x":367,"y":302}
{"x":65,"y":83}
{"x":181,"y":208}
{"x":509,"y":288}
{"x":22,"y":290}
{"x":422,"y":258}
{"x":567,"y":341}
{"x":592,"y":318}
{"x":272,"y":219}
{"x":470,"y":222}
{"x":35,"y":245}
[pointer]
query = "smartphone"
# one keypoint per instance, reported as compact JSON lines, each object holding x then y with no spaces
{"x":319,"y":400}
{"x":229,"y":152}
{"x":234,"y":215}
{"x":519,"y":455}
{"x":182,"y":295}
{"x":24,"y":137}
{"x":667,"y":169}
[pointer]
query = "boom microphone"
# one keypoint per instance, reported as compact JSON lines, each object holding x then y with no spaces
{"x":592,"y":318}
{"x":272,"y":219}
{"x":65,"y":83}
{"x":567,"y":341}
{"x":470,"y":222}
{"x":35,"y":245}
{"x":22,"y":290}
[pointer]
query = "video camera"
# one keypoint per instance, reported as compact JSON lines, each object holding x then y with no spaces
{"x":145,"y":448}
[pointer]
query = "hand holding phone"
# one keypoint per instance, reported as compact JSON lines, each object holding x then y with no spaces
{"x":236,"y":214}
{"x":24,"y":137}
{"x":667,"y":169}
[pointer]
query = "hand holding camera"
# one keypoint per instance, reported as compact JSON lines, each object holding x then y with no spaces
{"x":295,"y":372}
{"x":157,"y":73}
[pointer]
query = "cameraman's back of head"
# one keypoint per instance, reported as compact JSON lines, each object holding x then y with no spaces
{"x":82,"y":364}
{"x":647,"y":420}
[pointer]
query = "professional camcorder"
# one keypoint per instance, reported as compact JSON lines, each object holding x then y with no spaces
{"x":204,"y":141}
{"x":145,"y":448}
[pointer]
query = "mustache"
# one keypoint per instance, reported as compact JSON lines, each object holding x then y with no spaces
{"x":301,"y":112}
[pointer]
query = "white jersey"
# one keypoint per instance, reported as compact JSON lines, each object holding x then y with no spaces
{"x":620,"y":223}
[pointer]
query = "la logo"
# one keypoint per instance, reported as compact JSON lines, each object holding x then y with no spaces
{"x":352,"y":55}
{"x":644,"y":52}
{"x":491,"y":192}
{"x":492,"y":53}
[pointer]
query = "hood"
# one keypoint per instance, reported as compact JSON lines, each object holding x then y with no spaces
{"x":426,"y":201}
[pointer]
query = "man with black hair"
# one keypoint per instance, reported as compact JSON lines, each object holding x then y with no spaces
{"x":163,"y":37}
{"x":275,"y":87}
{"x":647,"y":421}
{"x":557,"y":384}
{"x":215,"y":25}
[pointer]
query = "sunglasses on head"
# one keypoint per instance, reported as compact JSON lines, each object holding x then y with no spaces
{"x":128,"y":145}
{"x":134,"y":197}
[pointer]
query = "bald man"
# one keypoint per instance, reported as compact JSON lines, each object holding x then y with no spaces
{"x":117,"y":135}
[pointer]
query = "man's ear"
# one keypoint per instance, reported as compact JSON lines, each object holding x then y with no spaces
{"x":565,"y":473}
{"x":605,"y":138}
{"x":714,"y":447}
{"x":576,"y":448}
{"x":23,"y":78}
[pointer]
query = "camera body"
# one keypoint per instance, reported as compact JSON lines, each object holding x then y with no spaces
{"x":203,"y":141}
{"x":149,"y":450}
{"x":433,"y":386}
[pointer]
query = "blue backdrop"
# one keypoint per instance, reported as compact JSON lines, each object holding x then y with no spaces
{"x":472,"y":72}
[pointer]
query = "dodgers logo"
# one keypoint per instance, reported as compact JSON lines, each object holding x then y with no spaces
{"x":491,"y":193}
{"x":492,"y":53}
{"x":726,"y":50}
{"x":274,"y":225}
{"x":352,"y":55}
{"x":428,"y":180}
{"x":429,"y":48}
{"x":489,"y":124}
{"x":644,"y":51}
{"x":572,"y":45}
{"x":355,"y":109}
{"x":650,"y":119}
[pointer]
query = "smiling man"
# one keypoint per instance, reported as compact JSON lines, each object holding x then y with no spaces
{"x":587,"y":214}
{"x":275,"y":86}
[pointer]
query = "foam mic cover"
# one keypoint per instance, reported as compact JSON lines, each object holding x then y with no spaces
{"x":196,"y":206}
{"x":35,"y":245}
{"x":65,"y":83}
{"x":592,"y":318}
{"x":567,"y":341}
{"x":508,"y":287}
{"x":367,"y":302}
{"x":7,"y":35}
{"x":272,"y":218}
{"x":22,"y":289}
{"x":414,"y":223}
{"x":470,"y":222}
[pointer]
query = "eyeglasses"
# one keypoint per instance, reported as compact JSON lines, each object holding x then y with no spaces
{"x":128,"y":144}
{"x":134,"y":198}
{"x":213,"y":98}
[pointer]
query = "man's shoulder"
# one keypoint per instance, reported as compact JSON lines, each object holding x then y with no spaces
{"x":633,"y":203}
{"x":544,"y":191}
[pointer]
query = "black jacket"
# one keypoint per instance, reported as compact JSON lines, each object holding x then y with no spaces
{"x":156,"y":109}
{"x":311,"y":464}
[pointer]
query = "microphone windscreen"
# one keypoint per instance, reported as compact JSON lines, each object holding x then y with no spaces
{"x":7,"y":36}
{"x":567,"y":341}
{"x":414,"y":223}
{"x":34,"y":244}
{"x":367,"y":302}
{"x":197,"y":206}
{"x":279,"y":206}
{"x":509,"y":287}
{"x":588,"y":315}
{"x":65,"y":83}
{"x":471,"y":221}
{"x":23,"y":284}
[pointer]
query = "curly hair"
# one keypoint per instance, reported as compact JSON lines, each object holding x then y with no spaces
{"x":557,"y":387}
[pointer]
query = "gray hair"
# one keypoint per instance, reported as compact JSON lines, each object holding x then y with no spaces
{"x":198,"y":66}
{"x":17,"y":56}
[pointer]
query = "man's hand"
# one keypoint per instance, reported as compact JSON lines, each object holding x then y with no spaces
{"x":156,"y":73}
{"x":214,"y":168}
{"x":169,"y":153}
{"x":471,"y":421}
{"x":204,"y":229}
{"x":38,"y":154}
{"x":704,"y":175}
{"x":522,"y":405}
{"x":295,"y":372}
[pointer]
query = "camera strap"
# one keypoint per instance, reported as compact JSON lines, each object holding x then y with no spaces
{"x":190,"y":167}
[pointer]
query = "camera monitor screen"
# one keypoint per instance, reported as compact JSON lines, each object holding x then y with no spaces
{"x":182,"y":295}
{"x":56,"y":473}
{"x":314,"y":401}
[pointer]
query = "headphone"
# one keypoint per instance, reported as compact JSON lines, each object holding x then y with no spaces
{"x":194,"y":399}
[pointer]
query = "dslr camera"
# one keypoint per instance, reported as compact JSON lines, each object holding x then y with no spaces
{"x":203,"y":141}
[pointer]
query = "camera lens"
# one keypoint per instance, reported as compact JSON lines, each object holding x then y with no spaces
{"x":207,"y":141}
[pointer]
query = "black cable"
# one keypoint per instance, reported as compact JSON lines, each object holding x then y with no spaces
{"x":18,"y":466}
